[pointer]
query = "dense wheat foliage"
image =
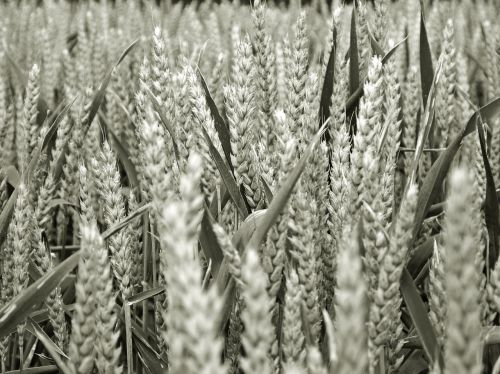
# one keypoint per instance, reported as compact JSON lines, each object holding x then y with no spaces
{"x":222,"y":188}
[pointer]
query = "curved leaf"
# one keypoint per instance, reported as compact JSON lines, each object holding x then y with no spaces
{"x":420,"y":318}
{"x":18,"y":309}
{"x":209,"y":243}
{"x":12,"y":175}
{"x":150,"y":360}
{"x":428,"y":120}
{"x":227,"y":177}
{"x":434,"y":179}
{"x":353,"y":56}
{"x":55,"y":352}
{"x":101,"y":92}
{"x":283,"y":194}
{"x":426,"y":69}
{"x":491,"y":202}
{"x":119,"y":225}
{"x":163,"y":118}
{"x":220,"y":125}
{"x":326,"y":93}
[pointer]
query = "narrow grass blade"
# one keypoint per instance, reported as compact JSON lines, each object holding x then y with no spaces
{"x":149,"y":359}
{"x":388,"y":55}
{"x":420,"y":318}
{"x":209,"y":243}
{"x":415,"y":363}
{"x":58,"y":201}
{"x":220,"y":125}
{"x":141,"y":296}
{"x":428,"y":120}
{"x":491,"y":202}
{"x":128,"y":338}
{"x":353,"y":56}
{"x":421,"y":255}
{"x":426,"y":69}
{"x":36,"y":370}
{"x":166,"y":123}
{"x":118,"y":226}
{"x":22,"y":305}
{"x":101,"y":91}
{"x":54,"y":120}
{"x":55,"y":352}
{"x":376,"y":48}
{"x":329,"y":78}
{"x":227,"y":177}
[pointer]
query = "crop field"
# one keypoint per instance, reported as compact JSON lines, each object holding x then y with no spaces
{"x":215,"y":187}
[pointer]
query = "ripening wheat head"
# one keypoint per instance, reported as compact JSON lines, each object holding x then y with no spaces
{"x":463,"y":329}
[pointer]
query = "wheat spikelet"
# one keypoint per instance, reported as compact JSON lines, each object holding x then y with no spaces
{"x":22,"y":231}
{"x":445,"y":101}
{"x":363,"y":37}
{"x":437,"y":292}
{"x":273,"y":254}
{"x":7,"y":264}
{"x":368,"y":125}
{"x":266,"y":91}
{"x":88,"y":214}
{"x":182,"y":111}
{"x":293,"y":342}
{"x":106,"y":350}
{"x":68,"y":189}
{"x":391,"y":144}
{"x":339,"y":176}
{"x":153,"y":164}
{"x":112,"y":199}
{"x":81,"y":344}
{"x":240,"y":101}
{"x":411,"y":105}
{"x":297,"y":76}
{"x":83,"y":54}
{"x":463,"y":343}
{"x":135,"y":242}
{"x":385,"y":326}
{"x":8,"y":144}
{"x":30,"y":129}
{"x":350,"y":309}
{"x":258,"y":335}
{"x":281,"y":80}
{"x":191,"y":319}
{"x":311,"y":109}
{"x":381,"y":21}
{"x":217,"y":79}
{"x":231,"y":254}
{"x":304,"y":253}
{"x":54,"y":301}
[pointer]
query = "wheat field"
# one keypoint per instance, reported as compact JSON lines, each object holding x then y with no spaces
{"x":217,"y":188}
